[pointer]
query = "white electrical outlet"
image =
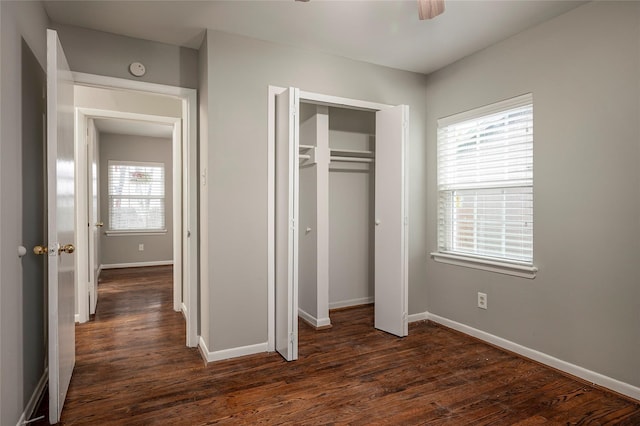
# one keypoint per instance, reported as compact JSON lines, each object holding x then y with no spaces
{"x":140,"y":247}
{"x":482,"y":300}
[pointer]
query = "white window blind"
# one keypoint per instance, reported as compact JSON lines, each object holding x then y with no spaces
{"x":136,"y":196}
{"x":485,"y":182}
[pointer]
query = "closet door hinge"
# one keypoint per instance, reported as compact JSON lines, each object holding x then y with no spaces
{"x":292,"y":338}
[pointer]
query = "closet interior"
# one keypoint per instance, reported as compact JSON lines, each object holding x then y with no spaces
{"x":336,"y":197}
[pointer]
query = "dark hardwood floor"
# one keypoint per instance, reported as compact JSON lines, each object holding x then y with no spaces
{"x":132,"y":368}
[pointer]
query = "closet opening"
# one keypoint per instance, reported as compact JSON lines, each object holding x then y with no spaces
{"x":336,"y":211}
{"x":338,"y":224}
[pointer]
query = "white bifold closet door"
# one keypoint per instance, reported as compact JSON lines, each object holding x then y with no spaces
{"x":391,"y":278}
{"x":286,"y":217}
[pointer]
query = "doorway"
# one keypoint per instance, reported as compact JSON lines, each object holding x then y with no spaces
{"x":33,"y":229}
{"x":109,"y":95}
{"x":390,"y":259}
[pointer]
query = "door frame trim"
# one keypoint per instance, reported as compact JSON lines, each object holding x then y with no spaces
{"x":305,"y":97}
{"x":82,"y":117}
{"x":187,"y":256}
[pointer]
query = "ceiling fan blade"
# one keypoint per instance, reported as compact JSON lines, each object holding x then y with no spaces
{"x":428,"y":9}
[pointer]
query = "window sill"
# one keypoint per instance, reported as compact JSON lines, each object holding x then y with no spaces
{"x":515,"y":269}
{"x":134,"y":233}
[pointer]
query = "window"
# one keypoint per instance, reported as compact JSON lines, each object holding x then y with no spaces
{"x":485,"y":184}
{"x":136,"y":197}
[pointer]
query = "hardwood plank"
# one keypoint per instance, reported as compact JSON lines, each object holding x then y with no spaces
{"x":133,"y":368}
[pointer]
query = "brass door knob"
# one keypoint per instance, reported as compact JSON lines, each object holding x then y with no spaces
{"x":40,"y":250}
{"x":67,"y":248}
{"x":99,"y":224}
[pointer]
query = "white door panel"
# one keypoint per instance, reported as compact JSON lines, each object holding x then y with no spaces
{"x":286,"y":212}
{"x":61,"y":220}
{"x":390,"y":221}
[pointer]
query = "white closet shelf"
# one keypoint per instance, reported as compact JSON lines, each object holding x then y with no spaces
{"x":306,"y":147}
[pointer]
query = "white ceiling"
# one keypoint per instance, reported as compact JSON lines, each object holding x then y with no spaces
{"x":133,"y":127}
{"x":384,"y":32}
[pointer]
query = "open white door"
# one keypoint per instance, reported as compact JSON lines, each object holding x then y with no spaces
{"x":93,"y":214}
{"x":286,"y":214}
{"x":61,"y":220}
{"x":391,"y":277}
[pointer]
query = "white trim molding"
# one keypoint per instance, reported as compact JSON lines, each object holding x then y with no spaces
{"x":230,"y":353}
{"x":564,"y":366}
{"x":422,"y":316}
{"x":136,"y":264}
{"x":508,"y":268}
{"x":337,"y":101}
{"x":31,"y":406}
{"x":313,"y":321}
{"x":123,"y":83}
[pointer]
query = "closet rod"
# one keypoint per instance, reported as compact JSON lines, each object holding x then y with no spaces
{"x":352,"y":159}
{"x":351,"y":152}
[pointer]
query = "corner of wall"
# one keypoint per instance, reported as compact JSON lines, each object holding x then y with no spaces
{"x":203,"y":142}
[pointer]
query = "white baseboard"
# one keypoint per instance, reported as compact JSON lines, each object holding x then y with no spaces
{"x":183,"y":309}
{"x":418,"y":317}
{"x":136,"y":264}
{"x":575,"y":370}
{"x":352,"y":302}
{"x":33,"y":401}
{"x":232,"y":352}
{"x":313,"y":321}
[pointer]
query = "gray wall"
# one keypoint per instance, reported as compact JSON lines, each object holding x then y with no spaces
{"x":203,"y":135}
{"x":101,"y":53}
{"x":239,"y":72}
{"x":583,"y":69}
{"x":351,"y":210}
{"x":19,"y":21}
{"x":124,"y":249}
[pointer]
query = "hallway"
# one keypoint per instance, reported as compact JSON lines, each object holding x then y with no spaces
{"x":121,"y":351}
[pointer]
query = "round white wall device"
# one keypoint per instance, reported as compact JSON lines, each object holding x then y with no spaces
{"x":137,"y":69}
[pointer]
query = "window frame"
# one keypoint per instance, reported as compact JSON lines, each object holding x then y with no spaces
{"x":524,"y":269}
{"x":139,"y":231}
